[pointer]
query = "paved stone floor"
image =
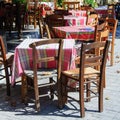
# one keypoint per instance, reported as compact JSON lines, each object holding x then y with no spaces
{"x":13,"y":109}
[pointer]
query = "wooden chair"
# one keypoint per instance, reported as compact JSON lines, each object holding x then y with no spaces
{"x":71,"y":5}
{"x":9,"y":17}
{"x":92,"y":19}
{"x":42,"y":77}
{"x":111,"y":11}
{"x":101,"y":27}
{"x":87,"y":77}
{"x":54,"y":20}
{"x":5,"y":63}
{"x":102,"y":36}
{"x":43,"y":29}
{"x":61,"y":12}
{"x":117,"y":10}
{"x":112,"y":23}
{"x":33,"y":14}
{"x":88,"y":9}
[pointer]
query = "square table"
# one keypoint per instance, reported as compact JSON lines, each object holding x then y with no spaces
{"x":23,"y":56}
{"x":82,"y":33}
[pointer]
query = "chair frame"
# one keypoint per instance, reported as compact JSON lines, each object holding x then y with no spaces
{"x":71,"y":5}
{"x":43,"y":28}
{"x":54,"y":20}
{"x":34,"y":75}
{"x":6,"y":61}
{"x":85,"y":77}
{"x":93,"y":16}
{"x":112,"y":23}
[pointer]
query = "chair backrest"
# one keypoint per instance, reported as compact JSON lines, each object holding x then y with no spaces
{"x":56,"y":57}
{"x":88,"y":9}
{"x":111,"y":11}
{"x":54,"y":20}
{"x":43,"y":28}
{"x":102,"y":33}
{"x":61,"y":12}
{"x":112,"y":23}
{"x":93,"y":61}
{"x":92,"y":19}
{"x":71,"y":5}
{"x":102,"y":36}
{"x":102,"y":26}
{"x":2,"y":51}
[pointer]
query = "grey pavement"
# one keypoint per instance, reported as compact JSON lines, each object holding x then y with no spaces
{"x":14,"y":109}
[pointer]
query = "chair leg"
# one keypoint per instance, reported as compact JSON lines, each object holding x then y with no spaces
{"x":88,"y":91}
{"x":37,"y":99}
{"x":35,"y":23}
{"x":104,"y":79}
{"x":24,"y":89}
{"x":59,"y":91}
{"x":81,"y":98}
{"x":51,"y":89}
{"x":112,"y":54}
{"x":100,"y":103}
{"x":64,"y":90}
{"x":7,"y":81}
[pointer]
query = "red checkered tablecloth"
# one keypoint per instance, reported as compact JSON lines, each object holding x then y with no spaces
{"x":23,"y":56}
{"x":78,"y":13}
{"x":83,"y":33}
{"x":75,"y":20}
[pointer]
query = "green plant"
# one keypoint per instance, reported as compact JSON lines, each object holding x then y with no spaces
{"x":19,"y":1}
{"x":59,"y":3}
{"x":92,"y":3}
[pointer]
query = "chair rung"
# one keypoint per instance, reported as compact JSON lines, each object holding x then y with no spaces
{"x":91,"y":81}
{"x":95,"y":93}
{"x":44,"y":95}
{"x":69,"y":87}
{"x":18,"y":81}
{"x":2,"y":77}
{"x":73,"y":98}
{"x":91,"y":97}
{"x":46,"y":84}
